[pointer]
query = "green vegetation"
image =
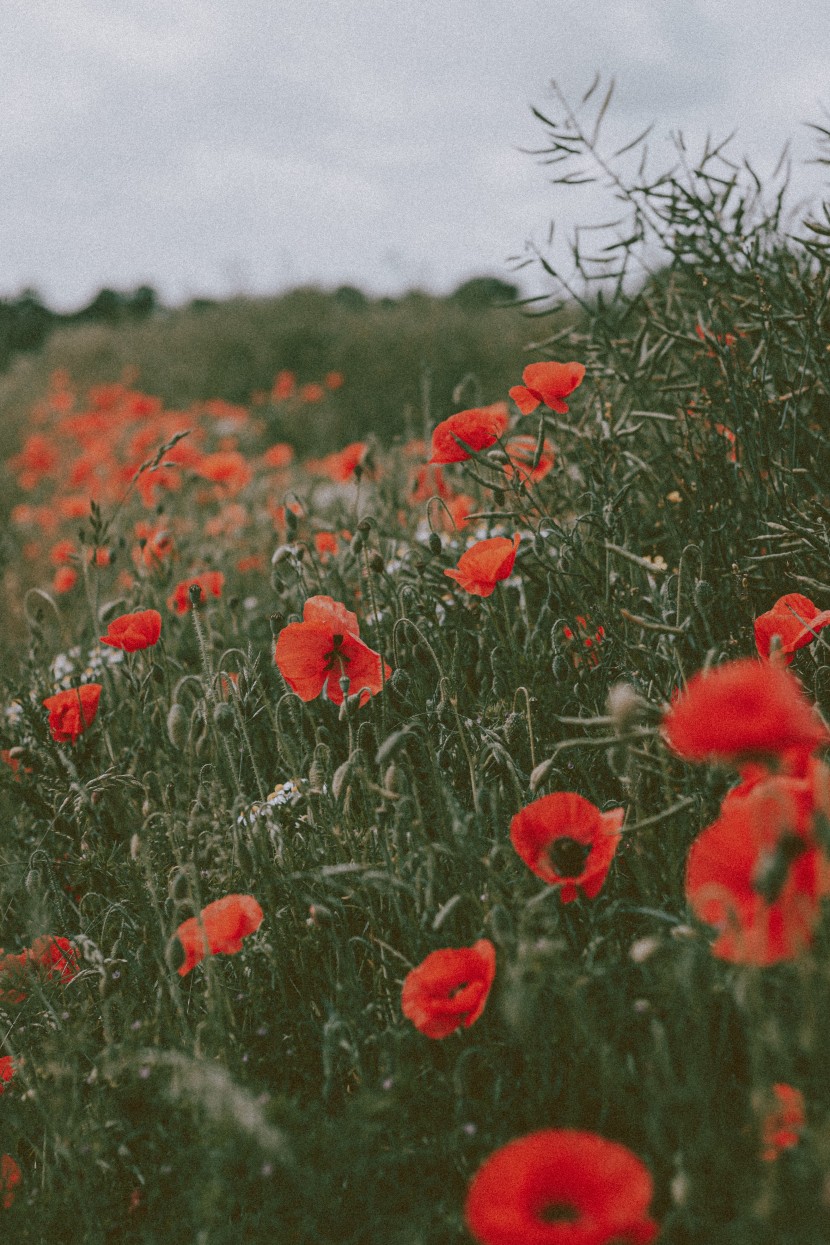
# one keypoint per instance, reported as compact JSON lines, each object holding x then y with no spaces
{"x":278,"y":1093}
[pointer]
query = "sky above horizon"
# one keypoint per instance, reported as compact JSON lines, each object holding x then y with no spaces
{"x":210,"y":149}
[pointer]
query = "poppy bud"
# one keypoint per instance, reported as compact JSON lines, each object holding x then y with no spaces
{"x":195,"y":594}
{"x":365,"y":525}
{"x":277,"y":622}
{"x":434,"y":543}
{"x":319,"y":768}
{"x":177,"y":726}
{"x":223,"y":718}
{"x":624,"y":706}
{"x":560,"y":667}
{"x":704,"y":595}
{"x":400,"y":681}
{"x":291,"y":521}
{"x":376,"y":563}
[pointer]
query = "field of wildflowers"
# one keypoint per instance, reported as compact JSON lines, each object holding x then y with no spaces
{"x":427,"y":840}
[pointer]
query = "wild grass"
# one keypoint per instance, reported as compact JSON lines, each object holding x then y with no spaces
{"x":279,"y":1094}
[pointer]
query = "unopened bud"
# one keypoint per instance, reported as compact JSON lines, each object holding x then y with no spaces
{"x":177,"y":726}
{"x":223,"y":718}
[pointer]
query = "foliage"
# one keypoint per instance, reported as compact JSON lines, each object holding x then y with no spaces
{"x":280,"y":1093}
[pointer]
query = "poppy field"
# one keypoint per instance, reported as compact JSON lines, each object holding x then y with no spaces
{"x":428,"y":840}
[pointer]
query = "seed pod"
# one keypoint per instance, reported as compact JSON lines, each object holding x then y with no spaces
{"x":178,"y":726}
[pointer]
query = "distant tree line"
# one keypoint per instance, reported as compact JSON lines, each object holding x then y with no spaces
{"x":26,"y":322}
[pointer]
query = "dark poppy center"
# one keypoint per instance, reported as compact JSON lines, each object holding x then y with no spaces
{"x":335,"y":656}
{"x":568,"y":856}
{"x":772,"y":868}
{"x":558,"y":1212}
{"x":457,"y":989}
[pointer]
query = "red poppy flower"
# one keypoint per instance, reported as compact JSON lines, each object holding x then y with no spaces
{"x":51,"y":955}
{"x":478,"y":428}
{"x":340,"y":466}
{"x":561,"y":1187}
{"x":521,"y":451}
{"x":449,"y":988}
{"x":279,"y":455}
{"x":64,"y":580}
{"x":285,"y":383}
{"x":131,"y":632}
{"x":741,"y":711}
{"x":567,"y":842}
{"x":334,"y":380}
{"x":211,"y":582}
{"x":549,"y":383}
{"x":6,"y":1071}
{"x":311,"y":392}
{"x":218,"y":929}
{"x":325,"y":646}
{"x":796,"y":622}
{"x":55,"y":955}
{"x":230,"y":469}
{"x":62,"y":552}
{"x":783,"y":1122}
{"x":325,"y":543}
{"x":587,"y":639}
{"x":72,"y":711}
{"x":757,"y":875}
{"x":10,"y":1178}
{"x":484,"y":564}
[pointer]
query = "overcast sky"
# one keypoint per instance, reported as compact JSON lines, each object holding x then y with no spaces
{"x":209,"y":147}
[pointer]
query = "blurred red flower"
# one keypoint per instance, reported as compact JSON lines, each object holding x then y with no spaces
{"x":285,"y":383}
{"x":210,"y":582}
{"x":279,"y":455}
{"x":478,"y":428}
{"x":6,"y":1071}
{"x":10,"y":1178}
{"x":131,"y":632}
{"x":567,"y":842}
{"x":521,"y":451}
{"x":72,"y":711}
{"x":64,"y":580}
{"x":757,"y":874}
{"x":584,"y":638}
{"x":53,"y":956}
{"x":796,"y":622}
{"x":547,"y":383}
{"x":742,"y":711}
{"x":449,"y":988}
{"x":561,"y":1187}
{"x":230,"y":469}
{"x":218,"y":929}
{"x":783,"y":1122}
{"x":341,"y":465}
{"x":325,"y":647}
{"x":484,"y":564}
{"x":334,"y":380}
